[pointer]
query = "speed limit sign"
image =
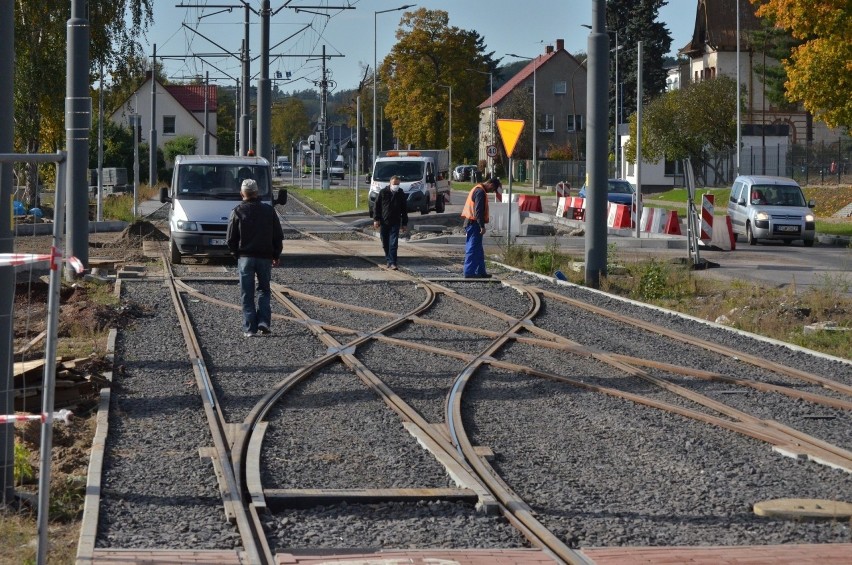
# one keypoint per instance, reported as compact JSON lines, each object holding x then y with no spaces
{"x":491,"y":151}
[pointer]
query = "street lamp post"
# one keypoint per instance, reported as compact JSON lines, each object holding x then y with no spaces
{"x":491,"y":115}
{"x":375,"y":69}
{"x":450,"y":136}
{"x":535,"y":116}
{"x":574,"y":108}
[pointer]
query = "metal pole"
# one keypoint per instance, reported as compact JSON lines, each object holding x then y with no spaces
{"x":615,"y":114}
{"x":245,"y":128}
{"x":375,"y":67}
{"x":535,"y":126}
{"x":7,"y":274}
{"x":264,"y":88}
{"x":100,"y":188}
{"x":357,"y":146}
{"x":78,"y":121}
{"x":509,"y":208}
{"x":491,"y":133}
{"x":739,"y":120}
{"x":206,"y":127}
{"x":638,"y":135}
{"x":136,"y":127}
{"x":237,"y":119}
{"x":152,"y":136}
{"x":596,"y":154}
{"x":49,"y":378}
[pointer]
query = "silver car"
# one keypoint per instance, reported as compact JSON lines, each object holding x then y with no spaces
{"x":762,"y":207}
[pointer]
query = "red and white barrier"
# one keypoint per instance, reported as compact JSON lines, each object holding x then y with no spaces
{"x":618,"y":216}
{"x":672,"y":226}
{"x":63,"y":416}
{"x":707,"y":206}
{"x":572,"y":207}
{"x":563,"y":189}
{"x":54,"y":258}
{"x":723,"y":238}
{"x":652,"y":220}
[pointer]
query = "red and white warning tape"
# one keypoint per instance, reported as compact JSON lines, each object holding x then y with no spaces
{"x":63,"y":416}
{"x":54,"y":258}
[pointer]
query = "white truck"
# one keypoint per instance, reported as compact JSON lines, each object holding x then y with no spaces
{"x":424,"y":176}
{"x":204,"y":190}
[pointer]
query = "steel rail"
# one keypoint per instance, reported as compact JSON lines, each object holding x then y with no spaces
{"x":705,"y":344}
{"x":254,"y":542}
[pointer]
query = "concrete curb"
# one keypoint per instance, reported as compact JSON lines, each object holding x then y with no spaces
{"x":47,"y":229}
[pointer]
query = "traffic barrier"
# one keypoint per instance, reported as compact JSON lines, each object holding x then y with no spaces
{"x":618,"y":216}
{"x":560,"y":207}
{"x":499,"y":218}
{"x":672,"y":223}
{"x":707,"y":206}
{"x":563,"y":189}
{"x":652,"y":220}
{"x":572,"y":207}
{"x":723,"y":239}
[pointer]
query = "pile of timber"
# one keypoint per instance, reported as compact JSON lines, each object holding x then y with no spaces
{"x":74,"y":386}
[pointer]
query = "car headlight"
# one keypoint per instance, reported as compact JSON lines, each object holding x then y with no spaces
{"x":416,"y":186}
{"x":809,"y":217}
{"x":761,"y":216}
{"x":184,"y":225}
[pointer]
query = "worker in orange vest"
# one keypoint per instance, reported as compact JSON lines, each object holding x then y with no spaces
{"x":475,"y":214}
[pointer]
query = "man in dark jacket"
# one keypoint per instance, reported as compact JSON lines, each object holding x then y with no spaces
{"x":255,"y":238}
{"x":390,"y":215}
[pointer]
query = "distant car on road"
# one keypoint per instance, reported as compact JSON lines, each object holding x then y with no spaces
{"x":337,"y":170}
{"x":464,"y":172}
{"x":619,"y":192}
{"x":762,"y":207}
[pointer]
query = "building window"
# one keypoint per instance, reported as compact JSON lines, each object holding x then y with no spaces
{"x":546,"y":122}
{"x":575,"y":123}
{"x":168,"y":125}
{"x":673,"y":168}
{"x":560,"y":87}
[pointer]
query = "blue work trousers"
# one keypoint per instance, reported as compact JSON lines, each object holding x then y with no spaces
{"x":249,"y":269}
{"x":474,"y":255}
{"x":390,"y":242}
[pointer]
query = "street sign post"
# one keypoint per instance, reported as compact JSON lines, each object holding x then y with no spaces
{"x":510,"y":131}
{"x":491,"y":151}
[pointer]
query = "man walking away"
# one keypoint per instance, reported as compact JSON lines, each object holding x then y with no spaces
{"x":475,"y":214}
{"x":255,"y":238}
{"x":391,"y":216}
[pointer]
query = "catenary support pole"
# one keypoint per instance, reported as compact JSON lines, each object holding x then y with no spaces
{"x":638,"y":136}
{"x":245,"y":128}
{"x":596,"y":152}
{"x":264,"y":89}
{"x":78,"y":118}
{"x":100,"y":183}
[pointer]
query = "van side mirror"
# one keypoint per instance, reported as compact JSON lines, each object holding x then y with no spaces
{"x":282,"y":197}
{"x":368,"y":177}
{"x":812,"y":203}
{"x":164,"y":195}
{"x":741,"y":201}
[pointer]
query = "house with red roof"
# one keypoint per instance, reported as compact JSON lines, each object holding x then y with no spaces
{"x":182,"y":109}
{"x":559,"y":82}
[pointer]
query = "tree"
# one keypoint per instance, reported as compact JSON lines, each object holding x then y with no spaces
{"x":636,"y":20}
{"x":819,"y":71}
{"x":40,"y":38}
{"x":428,"y":55}
{"x":517,"y":106}
{"x":180,"y":145}
{"x":290,"y":123}
{"x":776,"y":44}
{"x":684,"y":123}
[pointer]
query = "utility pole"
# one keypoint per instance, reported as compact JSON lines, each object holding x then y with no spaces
{"x":245,"y":132}
{"x":78,"y":121}
{"x":264,"y":92}
{"x":206,"y":127}
{"x":152,"y":139}
{"x":596,"y":154}
{"x":324,"y":180}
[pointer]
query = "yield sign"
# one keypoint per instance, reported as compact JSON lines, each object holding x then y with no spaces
{"x":510,"y":131}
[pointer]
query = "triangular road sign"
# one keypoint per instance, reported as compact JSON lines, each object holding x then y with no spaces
{"x":510,"y":131}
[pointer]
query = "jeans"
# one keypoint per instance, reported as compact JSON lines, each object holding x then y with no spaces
{"x":249,"y":268}
{"x":390,"y":242}
{"x":474,"y":255}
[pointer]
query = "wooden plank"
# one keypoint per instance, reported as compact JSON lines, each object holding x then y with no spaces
{"x":301,"y":498}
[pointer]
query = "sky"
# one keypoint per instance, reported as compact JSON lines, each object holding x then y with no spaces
{"x":523,"y":27}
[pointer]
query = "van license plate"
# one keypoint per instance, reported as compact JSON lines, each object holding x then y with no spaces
{"x":789,"y":228}
{"x":217,"y":242}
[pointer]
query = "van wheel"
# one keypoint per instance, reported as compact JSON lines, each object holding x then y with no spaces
{"x":439,"y":204}
{"x":174,"y":255}
{"x":750,"y":236}
{"x":425,"y":209}
{"x":808,"y":242}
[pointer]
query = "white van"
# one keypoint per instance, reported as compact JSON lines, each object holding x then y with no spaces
{"x":424,"y":177}
{"x":763,"y":207}
{"x":204,"y":190}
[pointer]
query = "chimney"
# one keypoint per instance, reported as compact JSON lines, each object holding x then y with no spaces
{"x":548,"y":49}
{"x":560,"y":44}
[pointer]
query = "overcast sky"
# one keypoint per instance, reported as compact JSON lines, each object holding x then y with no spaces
{"x":508,"y":26}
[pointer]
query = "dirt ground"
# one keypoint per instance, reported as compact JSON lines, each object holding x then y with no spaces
{"x":88,"y":310}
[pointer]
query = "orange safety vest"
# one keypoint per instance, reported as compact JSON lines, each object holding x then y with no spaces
{"x":469,"y":210}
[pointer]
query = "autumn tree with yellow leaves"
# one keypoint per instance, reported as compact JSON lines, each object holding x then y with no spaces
{"x":819,"y":71}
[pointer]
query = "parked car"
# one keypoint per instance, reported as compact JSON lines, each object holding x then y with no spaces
{"x":465,"y":173}
{"x":619,"y":191}
{"x":285,"y":168}
{"x":762,"y":207}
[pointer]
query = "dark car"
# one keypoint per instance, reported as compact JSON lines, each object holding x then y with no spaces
{"x":620,"y":192}
{"x":465,"y":173}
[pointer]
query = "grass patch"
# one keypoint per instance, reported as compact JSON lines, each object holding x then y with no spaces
{"x":839,"y":227}
{"x":331,"y":201}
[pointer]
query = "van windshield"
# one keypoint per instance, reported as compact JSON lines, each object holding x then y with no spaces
{"x":220,"y":181}
{"x":777,"y":195}
{"x":407,"y":171}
